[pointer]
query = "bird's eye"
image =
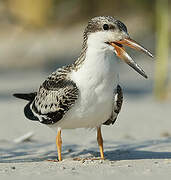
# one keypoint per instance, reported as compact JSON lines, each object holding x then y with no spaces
{"x":106,"y":27}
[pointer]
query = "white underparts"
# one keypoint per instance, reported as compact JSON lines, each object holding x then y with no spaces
{"x":96,"y":80}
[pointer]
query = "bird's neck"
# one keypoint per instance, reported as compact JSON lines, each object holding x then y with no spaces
{"x":99,"y":64}
{"x":92,"y":50}
{"x":100,"y":60}
{"x":78,"y":63}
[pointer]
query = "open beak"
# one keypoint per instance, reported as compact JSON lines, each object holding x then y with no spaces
{"x":122,"y":54}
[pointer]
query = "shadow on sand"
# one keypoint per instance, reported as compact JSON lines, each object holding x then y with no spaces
{"x":37,"y":151}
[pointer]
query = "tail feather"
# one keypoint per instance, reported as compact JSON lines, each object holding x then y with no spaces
{"x":28,"y":97}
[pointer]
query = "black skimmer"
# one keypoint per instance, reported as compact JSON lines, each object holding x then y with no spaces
{"x":86,"y":94}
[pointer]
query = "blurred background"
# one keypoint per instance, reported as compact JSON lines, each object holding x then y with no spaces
{"x":41,"y":35}
{"x":38,"y":36}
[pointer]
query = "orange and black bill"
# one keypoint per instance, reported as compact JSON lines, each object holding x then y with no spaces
{"x":122,"y":54}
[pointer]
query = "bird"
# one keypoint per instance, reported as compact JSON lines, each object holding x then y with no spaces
{"x":86,"y":93}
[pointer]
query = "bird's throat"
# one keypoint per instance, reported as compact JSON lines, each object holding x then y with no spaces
{"x":98,"y":66}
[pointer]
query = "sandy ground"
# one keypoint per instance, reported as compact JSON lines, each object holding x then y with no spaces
{"x":137,"y":146}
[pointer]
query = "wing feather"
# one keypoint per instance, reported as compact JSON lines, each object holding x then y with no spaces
{"x":55,"y":97}
{"x":117,"y":104}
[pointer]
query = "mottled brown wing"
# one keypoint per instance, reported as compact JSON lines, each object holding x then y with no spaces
{"x":117,"y":104}
{"x":54,"y":98}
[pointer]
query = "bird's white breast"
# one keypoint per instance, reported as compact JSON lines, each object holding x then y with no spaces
{"x":95,"y":79}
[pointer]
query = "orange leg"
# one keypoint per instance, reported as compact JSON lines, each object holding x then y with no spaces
{"x":100,"y":142}
{"x":59,"y":144}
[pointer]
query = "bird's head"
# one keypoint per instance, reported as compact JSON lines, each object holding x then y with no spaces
{"x":108,"y":33}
